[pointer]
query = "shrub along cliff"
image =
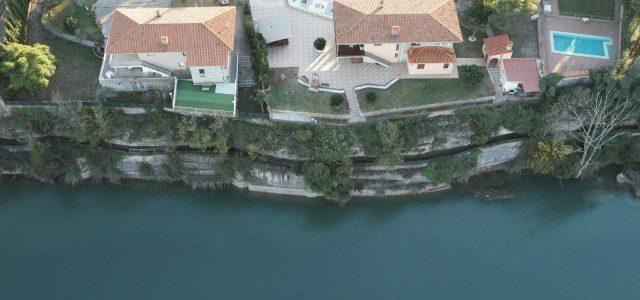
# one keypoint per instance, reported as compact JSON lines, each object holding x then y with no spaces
{"x":72,"y":143}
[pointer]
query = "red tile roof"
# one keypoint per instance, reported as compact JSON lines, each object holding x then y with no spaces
{"x":431,"y":55}
{"x":497,"y":45}
{"x":366,"y":22}
{"x":523,"y":70}
{"x":205,"y":34}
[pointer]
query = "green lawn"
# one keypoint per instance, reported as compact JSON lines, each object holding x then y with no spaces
{"x":87,"y":27}
{"x":192,"y":96}
{"x":289,"y":94}
{"x":601,"y":9}
{"x":467,"y":49}
{"x":77,"y":68}
{"x":412,"y":92}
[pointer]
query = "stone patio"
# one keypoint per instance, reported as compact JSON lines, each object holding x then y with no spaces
{"x":570,"y":65}
{"x":337,"y":74}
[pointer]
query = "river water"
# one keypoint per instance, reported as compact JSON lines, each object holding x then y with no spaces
{"x":141,"y":241}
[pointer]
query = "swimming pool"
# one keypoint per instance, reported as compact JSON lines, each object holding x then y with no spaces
{"x":580,"y":44}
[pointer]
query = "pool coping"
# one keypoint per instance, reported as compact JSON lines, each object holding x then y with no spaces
{"x":605,"y":43}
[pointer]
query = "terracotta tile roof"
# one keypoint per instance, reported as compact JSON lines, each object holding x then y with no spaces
{"x":431,"y":55}
{"x":523,"y":70}
{"x":365,"y":22}
{"x":497,"y":45}
{"x":205,"y":34}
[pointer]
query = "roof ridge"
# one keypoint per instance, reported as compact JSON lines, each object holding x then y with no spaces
{"x":129,"y":31}
{"x":440,"y":21}
{"x":215,"y":33}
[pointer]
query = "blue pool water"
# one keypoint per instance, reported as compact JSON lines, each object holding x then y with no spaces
{"x":580,"y":44}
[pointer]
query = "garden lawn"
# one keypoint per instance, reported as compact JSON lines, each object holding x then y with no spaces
{"x":289,"y":94}
{"x":601,"y":9}
{"x":192,"y":96}
{"x":87,"y":27}
{"x":76,"y":76}
{"x":467,"y":49}
{"x":412,"y":92}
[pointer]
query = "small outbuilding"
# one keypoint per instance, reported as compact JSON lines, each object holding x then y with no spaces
{"x":496,"y":49}
{"x":276,"y":30}
{"x":431,"y":60}
{"x":520,"y":76}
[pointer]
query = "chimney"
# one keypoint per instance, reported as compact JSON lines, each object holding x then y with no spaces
{"x":510,"y":46}
{"x":381,"y":3}
{"x":164,"y":40}
{"x":395,"y":31}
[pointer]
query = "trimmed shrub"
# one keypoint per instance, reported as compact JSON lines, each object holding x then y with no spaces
{"x":445,"y":170}
{"x":548,"y":84}
{"x":145,"y":169}
{"x":337,"y":100}
{"x":472,"y":75}
{"x":319,"y":44}
{"x":371,"y":97}
{"x":70,"y":24}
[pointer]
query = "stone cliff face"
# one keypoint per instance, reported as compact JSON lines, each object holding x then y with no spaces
{"x":201,"y":170}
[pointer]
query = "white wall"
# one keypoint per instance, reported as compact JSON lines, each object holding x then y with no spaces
{"x":388,"y":51}
{"x":384,"y":51}
{"x":167,"y":60}
{"x":211,"y":74}
{"x":431,"y":69}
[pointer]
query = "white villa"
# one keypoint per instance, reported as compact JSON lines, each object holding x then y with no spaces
{"x":420,"y":33}
{"x":180,"y":50}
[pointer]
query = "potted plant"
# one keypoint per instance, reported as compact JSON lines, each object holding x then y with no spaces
{"x":319,"y":44}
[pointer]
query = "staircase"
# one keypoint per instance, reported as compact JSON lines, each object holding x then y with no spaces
{"x":379,"y":60}
{"x":156,"y":68}
{"x":245,"y":72}
{"x":494,"y":74}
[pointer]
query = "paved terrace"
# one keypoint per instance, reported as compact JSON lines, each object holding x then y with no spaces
{"x":300,"y":53}
{"x":576,"y":65}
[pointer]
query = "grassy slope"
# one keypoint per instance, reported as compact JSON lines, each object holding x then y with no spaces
{"x":77,"y":69}
{"x":87,"y":28}
{"x":411,"y":92}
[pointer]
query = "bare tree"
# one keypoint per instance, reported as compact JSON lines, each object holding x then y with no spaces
{"x":600,"y":113}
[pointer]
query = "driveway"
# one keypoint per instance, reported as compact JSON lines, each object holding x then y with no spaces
{"x":104,"y":9}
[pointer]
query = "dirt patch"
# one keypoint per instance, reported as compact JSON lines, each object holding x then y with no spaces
{"x":524,"y":35}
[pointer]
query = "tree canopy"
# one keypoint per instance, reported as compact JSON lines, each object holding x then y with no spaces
{"x":27,"y":66}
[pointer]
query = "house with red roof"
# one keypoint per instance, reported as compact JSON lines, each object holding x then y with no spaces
{"x":496,"y":49}
{"x":186,"y":51}
{"x":420,"y":33}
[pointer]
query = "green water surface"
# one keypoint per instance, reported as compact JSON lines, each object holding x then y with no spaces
{"x":555,"y":241}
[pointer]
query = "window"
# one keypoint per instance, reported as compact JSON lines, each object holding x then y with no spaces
{"x":446,"y":66}
{"x":397,"y":47}
{"x":420,"y":66}
{"x":396,"y":55}
{"x":415,"y":44}
{"x":201,"y":72}
{"x":377,"y":45}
